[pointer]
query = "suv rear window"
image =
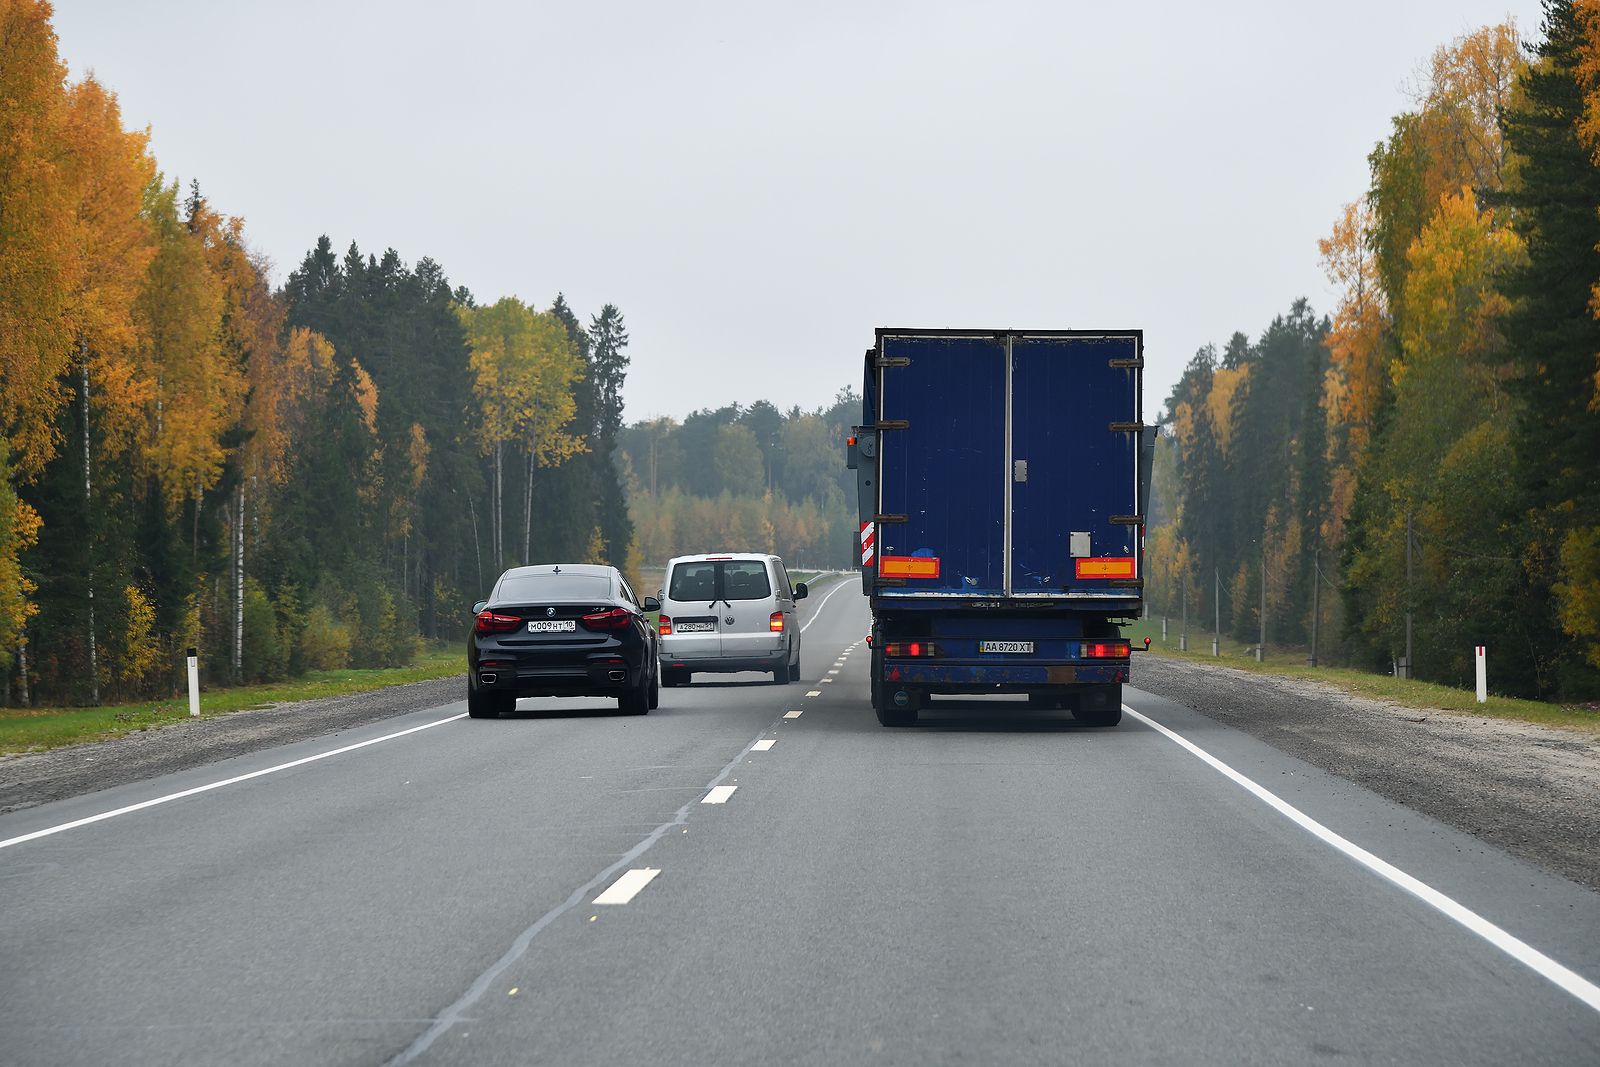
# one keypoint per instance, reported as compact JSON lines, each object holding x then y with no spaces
{"x":735,"y":579}
{"x":546,"y":587}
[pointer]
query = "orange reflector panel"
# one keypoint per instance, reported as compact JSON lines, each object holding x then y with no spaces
{"x":1105,"y":567}
{"x":908,"y":566}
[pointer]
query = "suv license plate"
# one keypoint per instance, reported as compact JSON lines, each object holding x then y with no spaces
{"x":694,"y":627}
{"x":1006,"y":646}
{"x":552,"y":626}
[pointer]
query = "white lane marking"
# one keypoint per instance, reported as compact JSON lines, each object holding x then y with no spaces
{"x":1519,"y":950}
{"x":763,"y":745}
{"x":719,"y":795}
{"x":235,"y":780}
{"x":627,"y":887}
{"x":814,"y":693}
{"x":824,"y":681}
{"x":835,"y":670}
{"x":791,"y":715}
{"x":815,"y":615}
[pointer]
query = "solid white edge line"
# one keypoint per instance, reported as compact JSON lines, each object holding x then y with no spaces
{"x":627,"y":887}
{"x":719,"y":794}
{"x":74,"y":824}
{"x":1565,"y":978}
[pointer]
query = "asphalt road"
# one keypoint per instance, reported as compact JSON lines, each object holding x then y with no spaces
{"x":995,"y":886}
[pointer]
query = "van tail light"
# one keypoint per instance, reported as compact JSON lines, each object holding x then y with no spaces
{"x":490,"y":623}
{"x":914,"y":649}
{"x":610,"y":619}
{"x":775,"y":623}
{"x":1105,"y":650}
{"x":664,"y":625}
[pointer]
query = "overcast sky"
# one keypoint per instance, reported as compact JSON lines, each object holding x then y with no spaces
{"x":759,"y":185}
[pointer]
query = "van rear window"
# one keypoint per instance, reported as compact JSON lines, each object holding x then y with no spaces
{"x":736,"y":579}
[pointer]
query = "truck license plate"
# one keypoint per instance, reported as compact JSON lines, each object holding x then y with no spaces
{"x":555,"y":626}
{"x":1005,"y":646}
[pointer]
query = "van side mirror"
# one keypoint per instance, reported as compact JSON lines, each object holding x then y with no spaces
{"x":479,"y":606}
{"x":800,"y":591}
{"x":652,"y":604}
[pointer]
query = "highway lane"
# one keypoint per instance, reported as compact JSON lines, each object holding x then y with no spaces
{"x":996,"y":886}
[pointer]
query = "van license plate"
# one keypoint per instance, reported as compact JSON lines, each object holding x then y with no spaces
{"x":552,"y":626}
{"x":694,"y":627}
{"x":1006,"y":646}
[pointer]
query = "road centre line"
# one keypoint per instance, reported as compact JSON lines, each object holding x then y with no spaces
{"x":791,"y":715}
{"x":763,"y":745}
{"x":235,"y":780}
{"x":1563,"y":977}
{"x":719,"y":794}
{"x":814,"y":693}
{"x":454,"y":1013}
{"x":627,"y":887}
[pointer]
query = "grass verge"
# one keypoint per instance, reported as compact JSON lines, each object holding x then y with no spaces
{"x":1426,"y":696}
{"x":35,"y":729}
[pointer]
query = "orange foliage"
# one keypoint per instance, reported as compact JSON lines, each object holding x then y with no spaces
{"x":1355,"y":381}
{"x":1221,"y":402}
{"x":1470,"y":84}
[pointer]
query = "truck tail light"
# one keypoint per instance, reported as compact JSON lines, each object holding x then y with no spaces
{"x":775,"y":623}
{"x":664,"y":625}
{"x":913,"y":649}
{"x":1105,"y":650}
{"x":490,"y":623}
{"x":610,"y":619}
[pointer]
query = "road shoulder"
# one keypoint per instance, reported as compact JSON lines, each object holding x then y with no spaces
{"x":1533,"y":791}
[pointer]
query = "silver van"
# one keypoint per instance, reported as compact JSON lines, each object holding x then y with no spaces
{"x":728,"y":612}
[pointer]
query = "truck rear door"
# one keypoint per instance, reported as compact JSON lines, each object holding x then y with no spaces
{"x":1009,"y":465}
{"x":1074,"y":470}
{"x":942,"y":499}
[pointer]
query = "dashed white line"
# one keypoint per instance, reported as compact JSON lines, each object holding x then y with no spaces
{"x":627,"y":887}
{"x":824,"y":681}
{"x":720,"y":794}
{"x":74,"y":824}
{"x":834,"y":671}
{"x":1519,"y":950}
{"x":791,"y":715}
{"x":814,"y":693}
{"x":763,"y":745}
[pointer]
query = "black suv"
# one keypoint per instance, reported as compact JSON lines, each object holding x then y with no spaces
{"x":562,"y":630}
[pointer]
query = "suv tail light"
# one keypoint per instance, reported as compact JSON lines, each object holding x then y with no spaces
{"x":610,"y":619}
{"x":490,"y":623}
{"x":664,"y":625}
{"x":899,"y":649}
{"x":1105,"y":650}
{"x":775,"y":623}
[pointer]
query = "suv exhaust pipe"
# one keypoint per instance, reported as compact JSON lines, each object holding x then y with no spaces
{"x":486,"y":677}
{"x":618,"y":676}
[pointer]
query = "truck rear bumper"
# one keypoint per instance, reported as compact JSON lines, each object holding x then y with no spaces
{"x":955,"y":676}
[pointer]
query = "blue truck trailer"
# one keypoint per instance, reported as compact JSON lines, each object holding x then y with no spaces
{"x":1002,"y":481}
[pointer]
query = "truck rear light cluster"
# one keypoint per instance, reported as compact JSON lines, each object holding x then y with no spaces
{"x":913,"y":649}
{"x":1105,"y":650}
{"x":490,"y":623}
{"x":664,"y":625}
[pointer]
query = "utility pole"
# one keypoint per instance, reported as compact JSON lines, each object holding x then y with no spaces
{"x":1316,"y":602}
{"x":1183,"y":634}
{"x":1410,"y":669}
{"x":1216,"y":608}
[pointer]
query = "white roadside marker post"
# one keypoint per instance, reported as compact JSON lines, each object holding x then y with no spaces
{"x":1482,"y":658}
{"x":194,"y":684}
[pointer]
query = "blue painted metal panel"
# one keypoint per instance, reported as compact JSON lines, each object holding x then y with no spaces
{"x":945,"y":471}
{"x":1079,"y":473}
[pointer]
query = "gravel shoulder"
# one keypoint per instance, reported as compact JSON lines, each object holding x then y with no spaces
{"x":31,"y":778}
{"x":1533,"y":791}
